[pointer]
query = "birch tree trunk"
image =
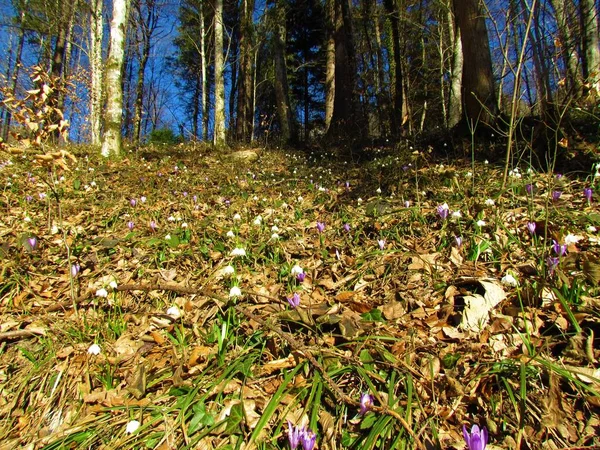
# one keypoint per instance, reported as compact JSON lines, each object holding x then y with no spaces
{"x":96,"y":35}
{"x":219,"y":127}
{"x":112,"y":142}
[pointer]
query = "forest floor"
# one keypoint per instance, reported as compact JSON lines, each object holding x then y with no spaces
{"x":180,"y":300}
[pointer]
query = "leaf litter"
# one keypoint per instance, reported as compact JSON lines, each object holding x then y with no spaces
{"x":445,"y":321}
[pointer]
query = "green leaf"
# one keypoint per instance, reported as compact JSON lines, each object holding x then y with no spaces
{"x":374,"y":315}
{"x":236,"y":415}
{"x":76,"y":184}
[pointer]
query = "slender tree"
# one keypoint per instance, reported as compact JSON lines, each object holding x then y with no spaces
{"x":219,"y":89}
{"x":112,"y":140}
{"x":96,"y":69}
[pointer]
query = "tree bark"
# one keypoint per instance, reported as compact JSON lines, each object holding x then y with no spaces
{"x":245,"y":73}
{"x":346,"y":121}
{"x":219,"y":119}
{"x":147,"y":25}
{"x":330,"y":63}
{"x":282,"y":98}
{"x":478,"y":89}
{"x":591,"y":44}
{"x":96,"y":35}
{"x":15,"y":72}
{"x":112,"y":142}
{"x":568,"y":50}
{"x":397,"y":91}
{"x":456,"y":73}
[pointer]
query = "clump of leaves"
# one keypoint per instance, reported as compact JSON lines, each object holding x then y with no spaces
{"x":38,"y":111}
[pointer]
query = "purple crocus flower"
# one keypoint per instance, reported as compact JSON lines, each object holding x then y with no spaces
{"x":458,"y":241}
{"x":366,"y":403}
{"x":477,"y":439}
{"x":320,"y":226}
{"x":308,"y":439}
{"x":153,"y":225}
{"x":294,"y":301}
{"x":294,"y":435}
{"x":130,"y":225}
{"x":75,"y":268}
{"x":552,"y":263}
{"x":443,"y":211}
{"x":32,"y":241}
{"x":301,"y":276}
{"x":531,"y":227}
{"x":529,"y":188}
{"x":588,"y":192}
{"x":347,"y":227}
{"x":133,"y":202}
{"x":29,"y":198}
{"x":560,"y":250}
{"x":556,"y":195}
{"x":381,"y":243}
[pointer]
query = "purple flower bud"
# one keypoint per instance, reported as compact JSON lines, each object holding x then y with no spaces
{"x":320,"y":226}
{"x":294,"y":301}
{"x":531,"y":227}
{"x":130,"y":225}
{"x":458,"y":241}
{"x":308,"y":439}
{"x":366,"y":403}
{"x":529,"y":188}
{"x":477,"y":439}
{"x":293,"y":436}
{"x":185,"y":194}
{"x":552,"y":263}
{"x":32,"y":241}
{"x":75,"y":268}
{"x":347,"y":227}
{"x":560,"y":250}
{"x":133,"y":202}
{"x":28,"y":198}
{"x":153,"y":225}
{"x":587,"y":193}
{"x":301,"y":276}
{"x":556,"y":195}
{"x":443,"y":211}
{"x":195,"y":198}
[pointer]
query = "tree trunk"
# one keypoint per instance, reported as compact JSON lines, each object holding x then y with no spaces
{"x":479,"y":93}
{"x":568,"y":49}
{"x":245,"y":75}
{"x":15,"y":71}
{"x":147,"y":25}
{"x":219,"y":120}
{"x":330,"y":63}
{"x":203,"y":99}
{"x":112,"y":142}
{"x":282,"y":98}
{"x":397,"y":97}
{"x":456,"y":73}
{"x":591,"y":45}
{"x":346,"y":119}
